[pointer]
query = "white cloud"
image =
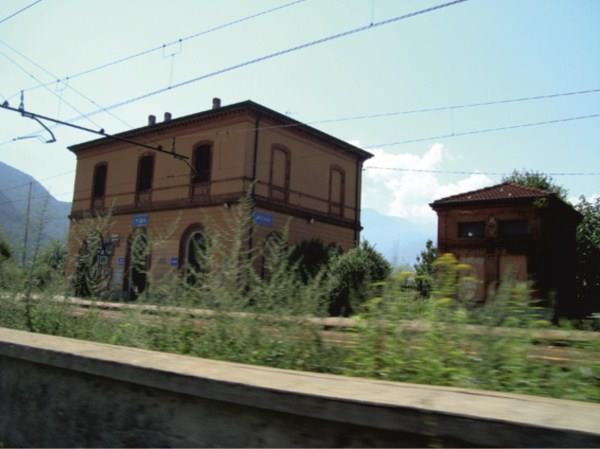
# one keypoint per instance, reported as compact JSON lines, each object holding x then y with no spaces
{"x":408,"y":194}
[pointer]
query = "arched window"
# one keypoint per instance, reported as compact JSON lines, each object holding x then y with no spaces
{"x":337,"y":185}
{"x":280,"y":174}
{"x":201,"y":161}
{"x":144,"y":179}
{"x":99,"y":185}
{"x":193,"y":253}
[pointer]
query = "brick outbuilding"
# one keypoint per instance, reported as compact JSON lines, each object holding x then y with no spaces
{"x":510,"y":226}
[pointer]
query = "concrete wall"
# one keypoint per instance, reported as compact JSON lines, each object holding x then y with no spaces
{"x":62,"y":392}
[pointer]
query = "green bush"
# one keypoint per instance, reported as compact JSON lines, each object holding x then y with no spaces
{"x":351,"y":275}
{"x":312,"y":256}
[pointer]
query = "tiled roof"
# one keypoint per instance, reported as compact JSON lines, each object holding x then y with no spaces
{"x":504,"y":191}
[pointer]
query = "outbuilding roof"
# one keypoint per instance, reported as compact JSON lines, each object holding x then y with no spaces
{"x":503,"y":191}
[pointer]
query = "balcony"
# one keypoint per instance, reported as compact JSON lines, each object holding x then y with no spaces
{"x":98,"y":203}
{"x":143,"y":198}
{"x":278,"y":193}
{"x":200,"y":190}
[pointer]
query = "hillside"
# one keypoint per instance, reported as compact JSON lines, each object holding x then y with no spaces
{"x":14,"y":186}
{"x":399,"y":240}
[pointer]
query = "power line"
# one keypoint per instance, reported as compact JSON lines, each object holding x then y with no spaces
{"x":101,"y":132}
{"x":19,"y":11}
{"x":23,"y":69}
{"x":400,"y":169}
{"x":413,"y":111}
{"x":77,"y":91}
{"x":168,"y":44}
{"x":483,"y":131}
{"x":455,"y":107}
{"x":38,"y":180}
{"x":277,"y":54}
{"x":463,"y":172}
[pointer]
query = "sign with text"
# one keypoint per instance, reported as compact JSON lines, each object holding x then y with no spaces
{"x":120,"y":261}
{"x":174,"y":262}
{"x":263,"y":219}
{"x":140,"y":220}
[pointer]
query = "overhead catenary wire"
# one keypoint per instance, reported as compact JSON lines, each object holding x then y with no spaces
{"x":68,"y":86}
{"x":406,"y":169}
{"x":23,"y":69}
{"x":465,"y":172}
{"x":58,"y":175}
{"x":16,"y":13}
{"x":411,"y":111}
{"x":101,"y":132}
{"x":275,"y":54}
{"x":400,"y":169}
{"x":482,"y":131}
{"x":166,"y":44}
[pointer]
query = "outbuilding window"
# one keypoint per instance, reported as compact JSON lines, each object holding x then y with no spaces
{"x":513,"y":228}
{"x":471,"y":229}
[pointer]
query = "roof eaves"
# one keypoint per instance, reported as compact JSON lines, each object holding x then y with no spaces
{"x":244,"y":105}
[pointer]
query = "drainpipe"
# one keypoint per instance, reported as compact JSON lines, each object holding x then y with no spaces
{"x":357,"y":184}
{"x":253,"y":188}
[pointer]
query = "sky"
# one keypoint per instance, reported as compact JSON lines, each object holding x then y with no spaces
{"x":476,"y":51}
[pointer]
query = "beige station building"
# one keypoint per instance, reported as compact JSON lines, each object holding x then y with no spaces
{"x":298,"y":175}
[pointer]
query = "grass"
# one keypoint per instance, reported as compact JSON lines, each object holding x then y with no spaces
{"x":275,"y":329}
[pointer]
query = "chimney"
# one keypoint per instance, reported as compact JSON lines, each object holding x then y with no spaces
{"x":216,"y":103}
{"x":151,"y":120}
{"x":168,"y":116}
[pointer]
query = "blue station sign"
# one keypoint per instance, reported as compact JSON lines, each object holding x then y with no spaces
{"x":140,"y":220}
{"x":263,"y":219}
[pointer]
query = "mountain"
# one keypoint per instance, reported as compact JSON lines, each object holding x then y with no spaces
{"x":398,"y":239}
{"x":14,"y":189}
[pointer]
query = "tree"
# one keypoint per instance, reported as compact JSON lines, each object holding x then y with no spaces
{"x":50,"y":265}
{"x":312,"y":255}
{"x":352,"y":272}
{"x":424,"y":269}
{"x":588,"y":253}
{"x":5,"y":251}
{"x":536,"y":180}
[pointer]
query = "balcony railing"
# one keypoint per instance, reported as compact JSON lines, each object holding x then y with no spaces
{"x":200,"y":190}
{"x":202,"y":193}
{"x":143,"y":198}
{"x":279,"y":193}
{"x":98,"y":203}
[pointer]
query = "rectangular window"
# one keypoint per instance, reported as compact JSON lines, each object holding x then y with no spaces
{"x":99,"y":188}
{"x":145,"y":177}
{"x":471,"y":229}
{"x":513,"y":228}
{"x":202,"y":164}
{"x":145,"y":172}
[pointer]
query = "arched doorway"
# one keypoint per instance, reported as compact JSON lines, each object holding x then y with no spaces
{"x":193,"y":254}
{"x":92,"y":268}
{"x":138,"y":263}
{"x":273,"y":242}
